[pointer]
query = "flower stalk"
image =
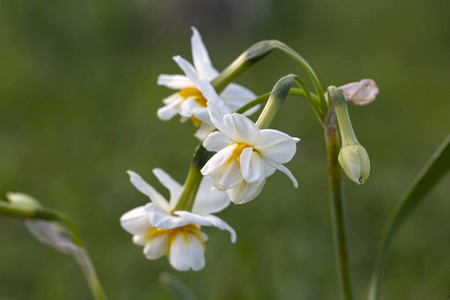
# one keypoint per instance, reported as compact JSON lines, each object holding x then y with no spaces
{"x":193,"y":180}
{"x":339,"y":221}
{"x":78,"y":251}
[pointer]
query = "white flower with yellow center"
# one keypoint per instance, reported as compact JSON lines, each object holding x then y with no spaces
{"x":176,"y":234}
{"x":189,"y":102}
{"x":246,"y":155}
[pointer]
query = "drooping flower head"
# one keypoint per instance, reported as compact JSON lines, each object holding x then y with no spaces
{"x":189,"y":100}
{"x":175,"y":234}
{"x":246,"y":155}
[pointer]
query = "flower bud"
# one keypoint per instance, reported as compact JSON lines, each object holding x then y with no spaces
{"x":23,"y":200}
{"x":355,"y":162}
{"x":360,"y":93}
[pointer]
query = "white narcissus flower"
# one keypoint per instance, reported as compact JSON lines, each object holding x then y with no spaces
{"x":189,"y":101}
{"x":176,"y":234}
{"x":246,"y":155}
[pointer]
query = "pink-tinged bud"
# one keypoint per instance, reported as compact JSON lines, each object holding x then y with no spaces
{"x":360,"y":93}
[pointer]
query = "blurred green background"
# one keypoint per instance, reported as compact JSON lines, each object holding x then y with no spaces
{"x":78,"y":101}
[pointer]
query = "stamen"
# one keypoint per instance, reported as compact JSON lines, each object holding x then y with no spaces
{"x":237,"y":151}
{"x":192,"y":92}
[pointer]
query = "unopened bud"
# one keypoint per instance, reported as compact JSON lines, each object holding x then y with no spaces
{"x":23,"y":200}
{"x":355,"y":162}
{"x":360,"y":93}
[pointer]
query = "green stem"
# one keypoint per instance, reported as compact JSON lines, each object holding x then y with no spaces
{"x":80,"y":253}
{"x":259,"y":51}
{"x":343,"y":118}
{"x":264,"y":97}
{"x":41,"y":213}
{"x":339,"y":223}
{"x":88,"y":269}
{"x":279,"y":94}
{"x":193,"y":180}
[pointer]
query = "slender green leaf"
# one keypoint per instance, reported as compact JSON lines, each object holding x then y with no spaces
{"x":429,"y":176}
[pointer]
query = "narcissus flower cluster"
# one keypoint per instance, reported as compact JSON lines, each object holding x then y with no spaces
{"x":175,"y":234}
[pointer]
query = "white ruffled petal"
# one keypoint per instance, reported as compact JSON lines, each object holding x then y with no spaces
{"x":157,"y":247}
{"x":187,"y":252}
{"x":209,"y":200}
{"x":171,"y":184}
{"x":252,"y":166}
{"x":208,"y":220}
{"x":175,"y":82}
{"x":216,"y":141}
{"x":217,"y":160}
{"x":168,"y":111}
{"x":231,"y":177}
{"x":189,"y":107}
{"x":148,"y":190}
{"x":188,"y":69}
{"x":135,"y":221}
{"x":276,"y":145}
{"x":241,"y":129}
{"x":245,"y":192}
{"x":202,"y":62}
{"x":163,"y":219}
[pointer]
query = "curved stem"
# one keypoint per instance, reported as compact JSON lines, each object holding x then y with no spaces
{"x":339,"y":223}
{"x":79,"y":253}
{"x":259,"y":51}
{"x":193,"y":180}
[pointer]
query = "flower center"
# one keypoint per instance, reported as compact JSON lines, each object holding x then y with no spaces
{"x":192,"y":92}
{"x":184,"y":230}
{"x":237,"y":151}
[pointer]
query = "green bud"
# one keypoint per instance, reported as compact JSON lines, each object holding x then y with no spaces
{"x":355,"y":162}
{"x":20,"y":200}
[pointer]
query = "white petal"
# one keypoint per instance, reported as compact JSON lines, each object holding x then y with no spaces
{"x":179,"y":254}
{"x":47,"y":232}
{"x":171,"y":184}
{"x":283,"y":169}
{"x":157,"y":247}
{"x":135,"y":221}
{"x":209,"y":200}
{"x":252,"y":166}
{"x":216,"y":175}
{"x":187,"y":252}
{"x":163,"y":219}
{"x":189,"y":107}
{"x":175,"y":82}
{"x":216,"y":141}
{"x":203,"y":115}
{"x":231,"y":177}
{"x":241,"y":129}
{"x":201,"y":58}
{"x":245,"y":192}
{"x":148,"y":190}
{"x":236,"y":96}
{"x":276,"y":145}
{"x":218,"y":159}
{"x":188,"y":69}
{"x":203,"y":131}
{"x":208,"y":220}
{"x":168,"y":111}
